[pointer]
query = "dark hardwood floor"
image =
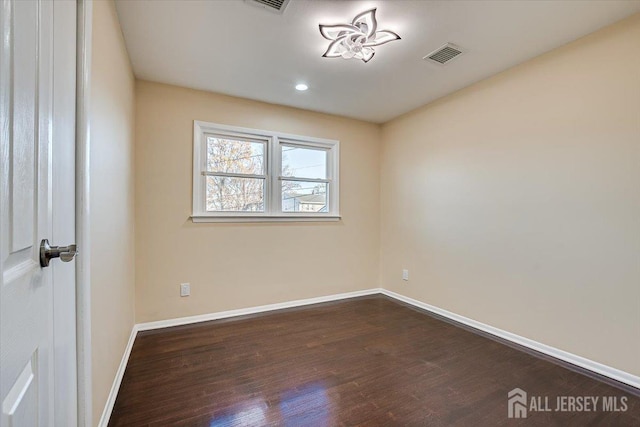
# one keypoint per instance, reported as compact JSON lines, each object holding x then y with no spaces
{"x":362,"y":362}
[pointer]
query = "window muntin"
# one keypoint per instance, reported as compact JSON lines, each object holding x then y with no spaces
{"x":246,"y":174}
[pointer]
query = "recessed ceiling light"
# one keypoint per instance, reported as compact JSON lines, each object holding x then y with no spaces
{"x":301,"y":87}
{"x":357,"y":39}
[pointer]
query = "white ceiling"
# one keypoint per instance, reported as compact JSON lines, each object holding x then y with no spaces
{"x":235,"y":48}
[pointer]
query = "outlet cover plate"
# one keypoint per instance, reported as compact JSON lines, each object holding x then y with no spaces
{"x":185,"y":289}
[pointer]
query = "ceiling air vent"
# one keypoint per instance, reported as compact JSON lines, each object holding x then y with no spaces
{"x":444,"y":54}
{"x":272,"y":5}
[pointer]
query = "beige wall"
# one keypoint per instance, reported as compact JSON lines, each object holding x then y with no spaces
{"x":112,"y":204}
{"x":516,"y":201}
{"x":233,"y":266}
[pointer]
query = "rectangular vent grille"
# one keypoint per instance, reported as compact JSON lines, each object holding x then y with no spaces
{"x":274,"y":5}
{"x":444,"y":54}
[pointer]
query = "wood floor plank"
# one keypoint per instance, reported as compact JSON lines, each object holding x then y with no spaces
{"x":367,"y":361}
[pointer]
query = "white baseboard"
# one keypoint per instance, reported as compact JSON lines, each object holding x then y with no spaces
{"x":113,"y":393}
{"x":252,"y":310}
{"x":599,"y":368}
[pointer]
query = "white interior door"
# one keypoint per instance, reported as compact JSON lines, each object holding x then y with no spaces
{"x":37,"y":305}
{"x":63,"y":211}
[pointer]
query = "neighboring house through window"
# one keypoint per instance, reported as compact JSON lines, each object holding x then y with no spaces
{"x":244,"y":174}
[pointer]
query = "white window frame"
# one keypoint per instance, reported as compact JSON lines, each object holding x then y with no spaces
{"x":274,"y":141}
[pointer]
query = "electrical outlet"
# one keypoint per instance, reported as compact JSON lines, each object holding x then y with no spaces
{"x":405,"y":275}
{"x":185,"y":289}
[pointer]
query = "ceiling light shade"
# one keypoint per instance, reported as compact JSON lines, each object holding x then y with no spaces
{"x":301,"y":86}
{"x":356,"y":40}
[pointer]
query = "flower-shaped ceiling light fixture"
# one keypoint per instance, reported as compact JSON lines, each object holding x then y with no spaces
{"x":356,"y":40}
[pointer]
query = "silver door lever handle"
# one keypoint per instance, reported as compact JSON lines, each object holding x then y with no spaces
{"x":47,"y":252}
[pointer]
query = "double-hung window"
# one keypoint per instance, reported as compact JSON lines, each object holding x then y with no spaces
{"x":244,"y":174}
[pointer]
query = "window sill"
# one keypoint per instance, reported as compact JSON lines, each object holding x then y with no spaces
{"x":283,"y":218}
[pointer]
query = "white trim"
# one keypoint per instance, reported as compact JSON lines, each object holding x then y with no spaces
{"x":293,"y":178}
{"x":234,"y":175}
{"x":113,"y":393}
{"x":273,"y":141}
{"x":607,"y":371}
{"x":83,"y":288}
{"x":253,"y":218}
{"x":208,"y":127}
{"x":117,"y":381}
{"x":252,"y":310}
{"x":599,"y":368}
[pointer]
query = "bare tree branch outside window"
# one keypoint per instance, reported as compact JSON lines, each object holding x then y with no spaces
{"x":226,"y":193}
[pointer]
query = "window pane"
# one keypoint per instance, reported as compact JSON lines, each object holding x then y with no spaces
{"x":299,"y":196}
{"x":235,"y":156}
{"x":304,"y":162}
{"x":226,"y":194}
